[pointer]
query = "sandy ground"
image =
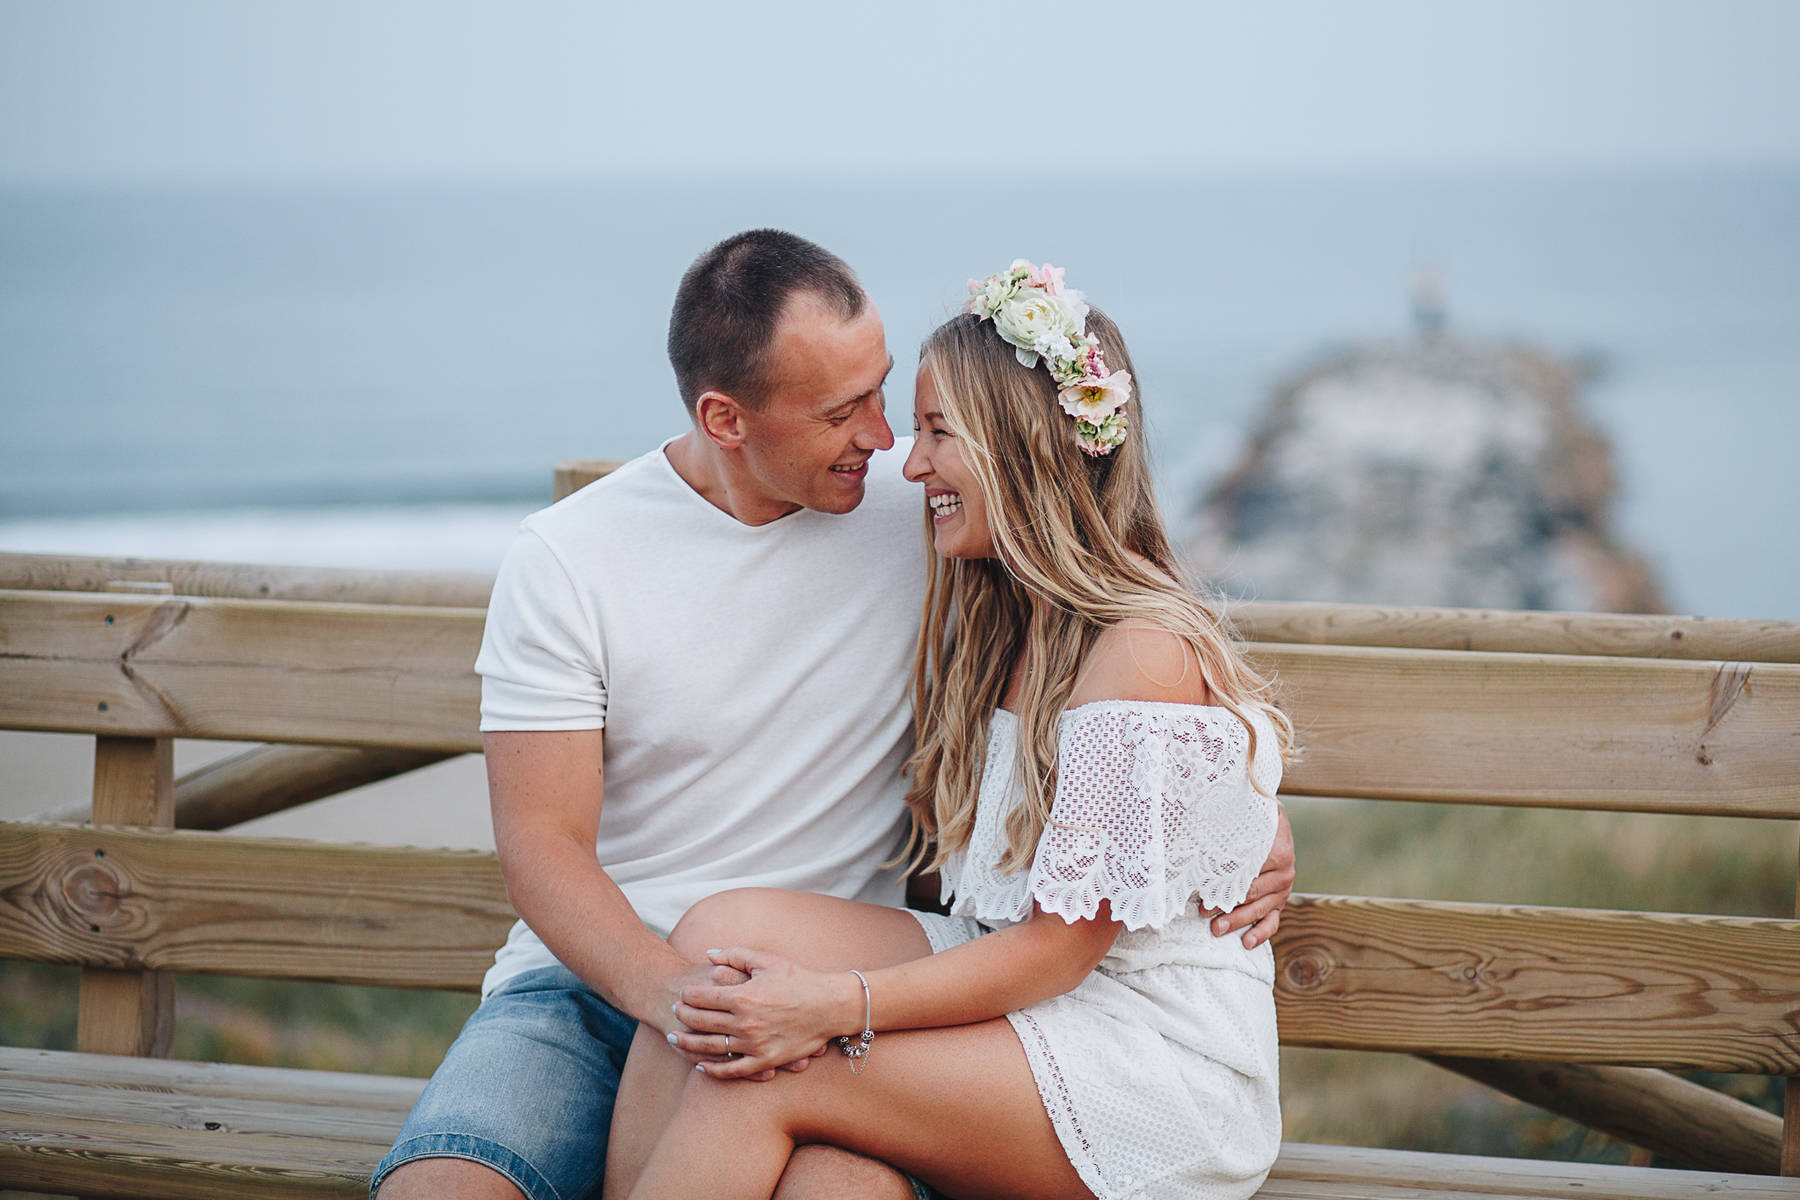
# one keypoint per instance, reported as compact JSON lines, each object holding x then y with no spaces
{"x":442,"y":805}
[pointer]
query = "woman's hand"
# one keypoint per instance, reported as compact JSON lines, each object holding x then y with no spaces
{"x":783,"y":1015}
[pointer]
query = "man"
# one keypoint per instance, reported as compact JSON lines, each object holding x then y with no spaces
{"x":732,"y":618}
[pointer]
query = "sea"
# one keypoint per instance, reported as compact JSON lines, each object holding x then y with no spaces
{"x":382,"y":375}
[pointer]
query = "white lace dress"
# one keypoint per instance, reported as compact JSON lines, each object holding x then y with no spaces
{"x":1159,"y":1069}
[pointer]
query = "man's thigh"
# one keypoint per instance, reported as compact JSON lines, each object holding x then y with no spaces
{"x":527,"y":1088}
{"x":828,"y":1173}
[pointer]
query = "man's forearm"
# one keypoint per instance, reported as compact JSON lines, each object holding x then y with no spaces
{"x":570,"y":902}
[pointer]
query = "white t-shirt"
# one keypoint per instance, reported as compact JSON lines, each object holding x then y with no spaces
{"x":752,"y":682}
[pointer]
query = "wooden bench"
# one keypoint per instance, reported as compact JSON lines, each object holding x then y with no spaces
{"x":1583,"y":1011}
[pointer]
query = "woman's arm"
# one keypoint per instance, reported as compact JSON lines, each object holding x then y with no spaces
{"x":787,"y":1012}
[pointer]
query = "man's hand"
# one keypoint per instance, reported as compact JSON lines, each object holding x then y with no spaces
{"x":1261,"y":909}
{"x":785,"y":1016}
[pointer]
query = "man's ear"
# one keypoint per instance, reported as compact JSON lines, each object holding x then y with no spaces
{"x":721,"y":419}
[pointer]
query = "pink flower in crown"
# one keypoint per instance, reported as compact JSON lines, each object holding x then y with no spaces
{"x":1095,"y":399}
{"x":1047,"y":277}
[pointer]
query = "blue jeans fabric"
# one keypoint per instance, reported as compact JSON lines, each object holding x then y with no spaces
{"x":527,"y":1088}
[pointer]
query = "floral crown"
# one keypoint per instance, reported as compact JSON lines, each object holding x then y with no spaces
{"x":1040,"y":318}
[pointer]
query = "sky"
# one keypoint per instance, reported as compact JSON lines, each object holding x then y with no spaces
{"x":185,"y":91}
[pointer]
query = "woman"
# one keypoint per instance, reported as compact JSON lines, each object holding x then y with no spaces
{"x":1095,"y":767}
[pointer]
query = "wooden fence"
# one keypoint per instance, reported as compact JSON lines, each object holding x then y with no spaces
{"x":348,"y":678}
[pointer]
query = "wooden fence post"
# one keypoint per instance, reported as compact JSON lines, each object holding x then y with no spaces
{"x":1790,"y":1108}
{"x":130,"y":1012}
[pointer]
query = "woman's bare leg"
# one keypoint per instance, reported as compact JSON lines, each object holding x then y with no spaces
{"x":820,"y":932}
{"x":956,"y":1107}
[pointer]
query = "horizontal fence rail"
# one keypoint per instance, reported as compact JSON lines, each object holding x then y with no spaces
{"x":1621,"y":635}
{"x":116,"y":896}
{"x":1504,"y":728}
{"x":1617,"y":635}
{"x":1545,"y":730}
{"x":245,"y":670}
{"x":248,"y":581}
{"x":1716,"y":993}
{"x":1565,"y":984}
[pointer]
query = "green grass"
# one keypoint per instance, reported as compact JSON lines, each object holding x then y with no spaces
{"x":335,"y":1027}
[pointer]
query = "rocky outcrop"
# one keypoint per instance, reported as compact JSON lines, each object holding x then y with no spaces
{"x":1438,"y":471}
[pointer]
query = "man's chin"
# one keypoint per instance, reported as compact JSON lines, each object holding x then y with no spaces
{"x":841,"y":499}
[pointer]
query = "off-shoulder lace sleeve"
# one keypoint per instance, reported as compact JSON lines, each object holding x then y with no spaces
{"x":1154,"y":806}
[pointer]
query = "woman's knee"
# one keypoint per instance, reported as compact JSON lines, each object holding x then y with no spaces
{"x":737,"y":917}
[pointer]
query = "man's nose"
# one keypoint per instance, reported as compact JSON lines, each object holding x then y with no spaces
{"x":875,"y":434}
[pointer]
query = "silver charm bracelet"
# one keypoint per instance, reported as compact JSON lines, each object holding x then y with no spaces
{"x":858,"y":1052}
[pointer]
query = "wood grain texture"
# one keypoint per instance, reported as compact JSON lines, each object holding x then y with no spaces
{"x":270,"y":779}
{"x":573,"y":474}
{"x":1549,"y":730}
{"x":274,"y":908}
{"x":129,"y":1012}
{"x":1612,"y":634}
{"x":248,"y":581}
{"x":97,"y":1157}
{"x":249,"y":670}
{"x":1688,"y":1124}
{"x":21,"y":1069}
{"x":127,"y":1127}
{"x":1349,"y":1169}
{"x":1552,"y":730}
{"x":1720,"y":993}
{"x":1568,"y":985}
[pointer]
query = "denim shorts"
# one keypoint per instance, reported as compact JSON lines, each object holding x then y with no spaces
{"x":527,"y":1089}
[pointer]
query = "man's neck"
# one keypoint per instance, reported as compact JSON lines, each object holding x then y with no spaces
{"x":708,"y":470}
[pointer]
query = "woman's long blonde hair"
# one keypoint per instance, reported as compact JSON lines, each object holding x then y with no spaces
{"x":1066,"y":527}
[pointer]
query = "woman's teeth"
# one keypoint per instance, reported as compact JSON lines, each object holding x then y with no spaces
{"x":945,"y":504}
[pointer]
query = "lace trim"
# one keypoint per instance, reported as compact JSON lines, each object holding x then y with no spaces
{"x":1154,"y":807}
{"x":1059,"y":1103}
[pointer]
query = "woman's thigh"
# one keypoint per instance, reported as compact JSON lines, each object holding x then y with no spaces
{"x":824,"y":933}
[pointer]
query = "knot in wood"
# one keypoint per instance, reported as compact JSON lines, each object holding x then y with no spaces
{"x":93,"y":891}
{"x":1306,"y":969}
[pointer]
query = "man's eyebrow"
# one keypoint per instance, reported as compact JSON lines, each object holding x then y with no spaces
{"x":857,"y":399}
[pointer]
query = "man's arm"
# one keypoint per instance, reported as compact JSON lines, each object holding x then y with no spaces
{"x":545,"y":789}
{"x":1261,"y":909}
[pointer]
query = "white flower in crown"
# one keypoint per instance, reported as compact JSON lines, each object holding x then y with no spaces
{"x":987,"y":295}
{"x":1036,"y":322}
{"x":1094,"y":400}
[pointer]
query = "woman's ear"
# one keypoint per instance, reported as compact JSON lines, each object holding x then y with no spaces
{"x":721,"y":419}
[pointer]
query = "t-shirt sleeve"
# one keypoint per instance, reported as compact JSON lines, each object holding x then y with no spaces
{"x":1154,"y":807}
{"x":540,"y":660}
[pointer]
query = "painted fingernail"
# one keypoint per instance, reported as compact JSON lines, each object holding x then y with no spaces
{"x":715,"y":951}
{"x":672,"y":1040}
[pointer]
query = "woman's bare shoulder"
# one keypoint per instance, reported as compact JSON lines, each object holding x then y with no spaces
{"x":1139,"y":659}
